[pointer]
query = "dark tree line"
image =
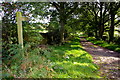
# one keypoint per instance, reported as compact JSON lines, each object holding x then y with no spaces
{"x":98,"y":14}
{"x":93,"y":18}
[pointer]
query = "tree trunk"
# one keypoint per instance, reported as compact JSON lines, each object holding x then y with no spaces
{"x":96,"y":34}
{"x":102,"y":31}
{"x":113,"y":11}
{"x":111,"y":31}
{"x":96,"y":27}
{"x":101,"y":27}
{"x":62,"y":21}
{"x":62,"y":24}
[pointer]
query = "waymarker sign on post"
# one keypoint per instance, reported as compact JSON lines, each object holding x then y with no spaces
{"x":19,"y":19}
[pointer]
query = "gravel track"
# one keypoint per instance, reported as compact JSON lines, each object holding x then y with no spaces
{"x":107,"y":60}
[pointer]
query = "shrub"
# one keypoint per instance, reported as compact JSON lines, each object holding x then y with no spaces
{"x":27,"y":63}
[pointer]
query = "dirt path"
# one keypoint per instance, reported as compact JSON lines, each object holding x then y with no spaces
{"x":108,"y":61}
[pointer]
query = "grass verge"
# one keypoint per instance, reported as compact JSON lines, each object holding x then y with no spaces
{"x":71,"y":61}
{"x":111,"y":46}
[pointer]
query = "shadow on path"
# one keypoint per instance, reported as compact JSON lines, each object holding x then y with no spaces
{"x":97,"y":50}
{"x":107,"y":60}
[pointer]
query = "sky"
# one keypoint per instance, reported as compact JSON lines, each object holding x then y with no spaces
{"x":1,"y":14}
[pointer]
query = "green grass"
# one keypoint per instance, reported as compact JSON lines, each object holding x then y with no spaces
{"x":71,"y":61}
{"x":111,"y":46}
{"x":65,"y":61}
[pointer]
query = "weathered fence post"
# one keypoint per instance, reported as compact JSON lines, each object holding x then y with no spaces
{"x":19,"y":19}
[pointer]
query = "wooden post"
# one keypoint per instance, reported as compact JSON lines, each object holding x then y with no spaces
{"x":19,"y":19}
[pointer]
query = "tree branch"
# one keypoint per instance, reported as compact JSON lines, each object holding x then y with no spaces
{"x":73,"y":9}
{"x":56,"y":6}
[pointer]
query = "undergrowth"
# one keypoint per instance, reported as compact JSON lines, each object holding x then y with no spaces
{"x":28,"y":62}
{"x":54,"y":61}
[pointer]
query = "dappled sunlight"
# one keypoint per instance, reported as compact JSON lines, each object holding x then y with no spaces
{"x":111,"y":46}
{"x":72,"y":61}
{"x":75,"y":69}
{"x":72,"y":46}
{"x":109,"y":59}
{"x":110,"y":51}
{"x":48,"y":39}
{"x":99,"y":49}
{"x":74,"y":53}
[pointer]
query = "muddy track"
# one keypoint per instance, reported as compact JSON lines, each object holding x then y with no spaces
{"x":107,"y":60}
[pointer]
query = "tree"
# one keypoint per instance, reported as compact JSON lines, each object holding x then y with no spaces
{"x":113,"y":11}
{"x":64,"y":9}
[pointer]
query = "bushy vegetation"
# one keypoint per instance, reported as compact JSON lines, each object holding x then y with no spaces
{"x":63,"y":61}
{"x":111,"y":46}
{"x":27,"y":63}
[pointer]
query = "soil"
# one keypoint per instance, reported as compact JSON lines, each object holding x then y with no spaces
{"x":107,"y":60}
